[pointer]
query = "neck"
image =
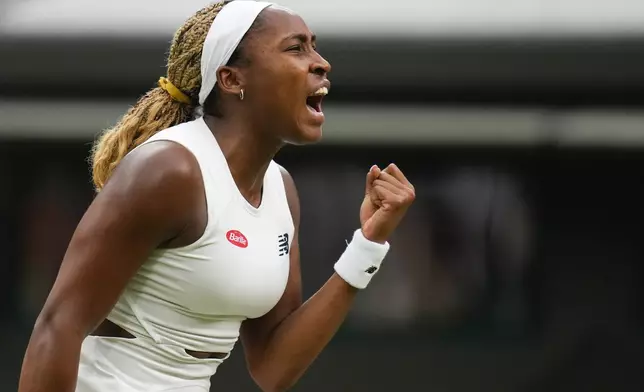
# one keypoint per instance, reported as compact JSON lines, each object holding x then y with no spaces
{"x":247,"y":153}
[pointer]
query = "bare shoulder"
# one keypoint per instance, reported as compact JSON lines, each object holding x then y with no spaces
{"x":160,"y":164}
{"x":159,"y":183}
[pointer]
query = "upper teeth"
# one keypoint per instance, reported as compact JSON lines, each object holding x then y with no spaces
{"x":322,"y":91}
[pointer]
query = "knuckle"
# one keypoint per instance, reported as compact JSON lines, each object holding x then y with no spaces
{"x":409,"y":195}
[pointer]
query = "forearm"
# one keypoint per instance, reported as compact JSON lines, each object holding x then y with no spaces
{"x":51,"y":361}
{"x":300,"y":338}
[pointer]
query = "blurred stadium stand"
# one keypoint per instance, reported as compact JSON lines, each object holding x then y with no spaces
{"x":521,"y":122}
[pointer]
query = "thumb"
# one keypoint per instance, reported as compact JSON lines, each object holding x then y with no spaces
{"x":373,"y":174}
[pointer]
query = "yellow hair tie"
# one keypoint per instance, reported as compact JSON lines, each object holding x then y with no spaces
{"x":174,"y":92}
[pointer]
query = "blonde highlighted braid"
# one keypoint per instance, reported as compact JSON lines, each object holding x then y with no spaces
{"x":157,"y":110}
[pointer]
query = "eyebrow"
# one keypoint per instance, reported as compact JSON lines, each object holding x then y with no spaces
{"x":301,"y":37}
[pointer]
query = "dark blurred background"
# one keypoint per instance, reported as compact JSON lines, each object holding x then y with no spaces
{"x":521,"y":123}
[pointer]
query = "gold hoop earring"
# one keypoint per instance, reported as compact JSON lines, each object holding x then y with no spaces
{"x":241,"y":94}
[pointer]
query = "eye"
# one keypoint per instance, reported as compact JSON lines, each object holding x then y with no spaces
{"x":295,"y":48}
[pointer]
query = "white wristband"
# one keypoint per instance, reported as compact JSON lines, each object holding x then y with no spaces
{"x":361,"y":260}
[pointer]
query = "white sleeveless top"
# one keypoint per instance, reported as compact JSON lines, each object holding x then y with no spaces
{"x":196,"y":297}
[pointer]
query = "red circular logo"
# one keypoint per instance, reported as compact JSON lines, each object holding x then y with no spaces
{"x":236,"y":238}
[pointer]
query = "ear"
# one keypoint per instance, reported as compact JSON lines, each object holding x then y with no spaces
{"x":230,"y":80}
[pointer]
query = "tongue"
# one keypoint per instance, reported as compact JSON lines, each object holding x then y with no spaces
{"x":313,"y":103}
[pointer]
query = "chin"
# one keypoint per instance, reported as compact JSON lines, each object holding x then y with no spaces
{"x":312,"y":135}
{"x":306,"y":135}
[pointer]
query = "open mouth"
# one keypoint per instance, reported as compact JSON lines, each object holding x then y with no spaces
{"x":314,"y":101}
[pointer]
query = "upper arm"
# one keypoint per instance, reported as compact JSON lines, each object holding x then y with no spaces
{"x":255,"y":333}
{"x":292,"y":197}
{"x":137,"y":210}
{"x":292,"y":298}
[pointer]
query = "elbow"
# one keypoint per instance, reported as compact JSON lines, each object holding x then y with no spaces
{"x":274,"y":380}
{"x":43,"y":337}
{"x":51,"y":327}
{"x":47,"y":323}
{"x":44,"y":329}
{"x":274,"y":386}
{"x":49,"y":363}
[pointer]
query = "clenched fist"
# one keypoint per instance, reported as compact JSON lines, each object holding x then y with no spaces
{"x":388,"y":195}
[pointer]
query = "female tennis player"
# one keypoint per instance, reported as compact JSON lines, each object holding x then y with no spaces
{"x":191,"y":242}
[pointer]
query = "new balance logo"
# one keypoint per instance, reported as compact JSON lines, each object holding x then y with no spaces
{"x":282,"y":244}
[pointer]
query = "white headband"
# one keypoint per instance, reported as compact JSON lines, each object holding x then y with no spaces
{"x":225,"y":34}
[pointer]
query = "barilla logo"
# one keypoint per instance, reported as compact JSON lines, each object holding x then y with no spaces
{"x":236,"y":238}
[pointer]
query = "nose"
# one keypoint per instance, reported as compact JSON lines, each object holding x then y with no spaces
{"x":320,"y":66}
